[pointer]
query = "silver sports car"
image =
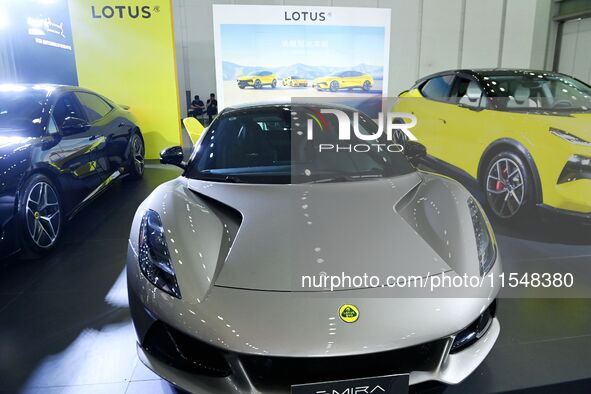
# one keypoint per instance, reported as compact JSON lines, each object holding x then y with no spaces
{"x":287,"y":259}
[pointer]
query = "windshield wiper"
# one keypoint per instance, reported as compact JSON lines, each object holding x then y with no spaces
{"x":232,"y":179}
{"x":347,"y":178}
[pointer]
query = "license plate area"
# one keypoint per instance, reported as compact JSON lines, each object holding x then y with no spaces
{"x":389,"y":384}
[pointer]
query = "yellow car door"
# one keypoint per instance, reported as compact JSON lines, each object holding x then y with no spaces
{"x":429,"y":103}
{"x":467,"y":122}
{"x":356,"y":79}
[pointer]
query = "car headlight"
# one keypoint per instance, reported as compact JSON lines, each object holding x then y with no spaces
{"x":154,"y":258}
{"x":577,"y":167}
{"x":485,"y":241}
{"x":569,"y":137}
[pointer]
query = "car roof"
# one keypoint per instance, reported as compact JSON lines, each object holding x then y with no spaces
{"x":49,"y":88}
{"x":283,"y":103}
{"x":487,"y":72}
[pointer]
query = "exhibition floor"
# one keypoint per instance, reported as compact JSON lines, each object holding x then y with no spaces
{"x":65,"y":326}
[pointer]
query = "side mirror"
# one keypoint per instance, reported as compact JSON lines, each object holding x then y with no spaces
{"x":73,"y":125}
{"x":174,"y":156}
{"x":415,"y":151}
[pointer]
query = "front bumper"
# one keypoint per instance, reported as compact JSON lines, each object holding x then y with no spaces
{"x":176,"y":341}
{"x":245,"y":82}
{"x":433,"y":362}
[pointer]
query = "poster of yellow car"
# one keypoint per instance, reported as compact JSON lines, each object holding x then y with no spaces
{"x":344,"y":61}
{"x":257,"y":79}
{"x":344,"y":80}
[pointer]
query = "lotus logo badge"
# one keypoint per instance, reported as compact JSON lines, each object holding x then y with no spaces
{"x":349,"y":313}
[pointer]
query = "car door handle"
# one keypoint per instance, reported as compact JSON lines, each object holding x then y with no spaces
{"x":443,"y":120}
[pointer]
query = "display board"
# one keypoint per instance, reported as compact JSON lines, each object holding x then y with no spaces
{"x":36,"y":42}
{"x":124,"y":50}
{"x":265,"y":53}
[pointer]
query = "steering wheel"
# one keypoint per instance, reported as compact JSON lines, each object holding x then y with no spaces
{"x":562,"y":103}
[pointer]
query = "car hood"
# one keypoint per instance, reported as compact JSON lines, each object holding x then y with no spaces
{"x":577,"y":124}
{"x":572,"y":123}
{"x":417,"y":223}
{"x":288,"y":231}
{"x":265,"y":237}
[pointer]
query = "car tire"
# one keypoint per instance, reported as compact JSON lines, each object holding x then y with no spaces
{"x":508,"y":186}
{"x":366,"y":86}
{"x":40,"y":216}
{"x":241,"y":85}
{"x":274,"y":84}
{"x":137,"y":157}
{"x":334,"y":86}
{"x":258,"y":84}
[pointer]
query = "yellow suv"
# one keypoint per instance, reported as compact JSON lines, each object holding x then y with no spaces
{"x":344,"y":80}
{"x":525,"y":135}
{"x":257,"y":79}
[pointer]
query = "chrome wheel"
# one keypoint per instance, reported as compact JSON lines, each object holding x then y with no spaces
{"x":43,"y":215}
{"x":138,"y":152}
{"x":334,"y":86}
{"x":505,"y":188}
{"x":366,"y":86}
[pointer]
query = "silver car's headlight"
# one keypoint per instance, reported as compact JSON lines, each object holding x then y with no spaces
{"x":485,"y":241}
{"x":154,"y":258}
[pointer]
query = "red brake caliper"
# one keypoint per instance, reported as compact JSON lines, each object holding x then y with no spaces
{"x":500,"y":185}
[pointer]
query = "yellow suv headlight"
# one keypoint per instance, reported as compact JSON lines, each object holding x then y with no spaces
{"x":569,"y":137}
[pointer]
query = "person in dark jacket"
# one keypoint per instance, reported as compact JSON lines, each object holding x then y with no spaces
{"x":212,"y":107}
{"x":196,"y":108}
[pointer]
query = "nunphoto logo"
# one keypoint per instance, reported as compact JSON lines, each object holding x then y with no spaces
{"x":395,"y":128}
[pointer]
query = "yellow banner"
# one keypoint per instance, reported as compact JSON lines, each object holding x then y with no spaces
{"x":125,"y":50}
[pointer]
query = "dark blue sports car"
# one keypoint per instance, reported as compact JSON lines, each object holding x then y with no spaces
{"x":60,"y":146}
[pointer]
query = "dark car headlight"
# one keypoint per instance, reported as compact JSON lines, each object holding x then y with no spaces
{"x":154,"y":258}
{"x":485,"y":241}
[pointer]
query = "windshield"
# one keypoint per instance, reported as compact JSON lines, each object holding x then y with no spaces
{"x":256,"y":73}
{"x":22,"y":111}
{"x":339,"y":74}
{"x":538,"y":92}
{"x":258,"y":146}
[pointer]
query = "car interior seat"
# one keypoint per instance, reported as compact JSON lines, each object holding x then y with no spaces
{"x":194,"y":128}
{"x":250,"y":148}
{"x":472,"y":96}
{"x":521,"y":98}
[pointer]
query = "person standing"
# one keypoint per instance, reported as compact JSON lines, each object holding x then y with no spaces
{"x":212,"y":107}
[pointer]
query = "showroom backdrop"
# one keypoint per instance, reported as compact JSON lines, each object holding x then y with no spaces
{"x":287,"y":43}
{"x":424,"y":38}
{"x":132,"y":61}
